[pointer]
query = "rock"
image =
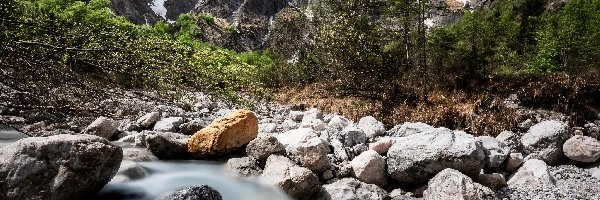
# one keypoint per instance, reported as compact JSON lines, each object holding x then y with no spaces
{"x":371,"y":126}
{"x":352,"y":189}
{"x":138,"y":155}
{"x":57,"y":167}
{"x":168,"y":145}
{"x":338,"y":123}
{"x":103,"y":127}
{"x":416,"y":158}
{"x":267,"y":128}
{"x":339,"y":151}
{"x":525,"y":125}
{"x":327,"y":175}
{"x":170,"y":124}
{"x":148,"y":120}
{"x":202,"y":192}
{"x":127,"y":126}
{"x":314,"y":113}
{"x":296,"y":181}
{"x":533,"y":172}
{"x":313,"y":123}
{"x":224,"y":135}
{"x":451,"y":184}
{"x":582,"y":149}
{"x":311,"y":153}
{"x":262,"y":147}
{"x":296,"y":136}
{"x":493,"y":181}
{"x":495,"y":151}
{"x":545,"y":140}
{"x":244,"y":167}
{"x":513,"y":162}
{"x":351,"y":135}
{"x":382,"y":145}
{"x":369,"y":167}
{"x":128,"y":171}
{"x":297,"y":116}
{"x":511,"y":140}
{"x":192,"y":127}
{"x":408,"y":128}
{"x":289,"y":125}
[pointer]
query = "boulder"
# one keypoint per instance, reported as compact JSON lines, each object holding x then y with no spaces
{"x":513,"y":162}
{"x":382,"y":145}
{"x":103,"y":127}
{"x":545,"y":140}
{"x":267,"y":128}
{"x":416,"y":158}
{"x":298,"y":182}
{"x":511,"y":140}
{"x":191,"y":127}
{"x":493,"y":181}
{"x":451,"y":184}
{"x":148,"y":120}
{"x":168,"y":145}
{"x":311,"y":153}
{"x":262,"y":147}
{"x":338,"y":123}
{"x":57,"y":167}
{"x":245,"y":166}
{"x":224,"y":135}
{"x":138,"y":155}
{"x":533,"y":172}
{"x":408,"y":128}
{"x":169,"y":124}
{"x":197,"y":192}
{"x":128,"y":171}
{"x":297,"y":116}
{"x":339,"y":151}
{"x":295,"y":136}
{"x":582,"y":149}
{"x":351,"y":135}
{"x":495,"y":151}
{"x":352,"y":189}
{"x":371,"y":126}
{"x":369,"y":167}
{"x":313,"y":123}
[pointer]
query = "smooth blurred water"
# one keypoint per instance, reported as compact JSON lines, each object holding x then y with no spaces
{"x":166,"y":177}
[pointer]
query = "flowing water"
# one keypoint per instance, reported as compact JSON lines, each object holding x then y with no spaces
{"x":165,"y":177}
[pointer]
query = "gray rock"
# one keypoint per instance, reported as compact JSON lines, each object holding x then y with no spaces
{"x":351,"y":135}
{"x":168,"y":145}
{"x":311,"y":153}
{"x":267,"y":128}
{"x":545,"y":140}
{"x":352,"y":189}
{"x":451,"y":184}
{"x":582,"y":149}
{"x":170,"y":124}
{"x":313,"y":113}
{"x":338,"y":123}
{"x":511,"y":140}
{"x":262,"y":147}
{"x":103,"y":127}
{"x":296,"y":136}
{"x":533,"y":172}
{"x":408,"y":128}
{"x":289,"y":125}
{"x":313,"y":123}
{"x":493,"y":181}
{"x":369,"y":167}
{"x":416,"y":158}
{"x":191,"y":127}
{"x":513,"y":162}
{"x":127,"y":126}
{"x":371,"y":126}
{"x":382,"y":145}
{"x":296,"y":181}
{"x":57,"y":167}
{"x":495,"y":151}
{"x":525,"y":125}
{"x":138,"y":155}
{"x":339,"y":151}
{"x":296,"y":115}
{"x":148,"y":120}
{"x":245,"y":166}
{"x":128,"y":171}
{"x":196,"y":192}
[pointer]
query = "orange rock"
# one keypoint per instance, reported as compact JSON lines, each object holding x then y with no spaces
{"x":224,"y":135}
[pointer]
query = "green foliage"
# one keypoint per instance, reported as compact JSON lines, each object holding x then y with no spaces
{"x":206,"y":17}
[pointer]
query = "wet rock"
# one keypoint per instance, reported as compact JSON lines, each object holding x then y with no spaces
{"x":148,"y":120}
{"x":495,"y":151}
{"x":352,"y":189}
{"x":545,"y":140}
{"x":244,"y":167}
{"x":296,"y":181}
{"x":224,"y":135}
{"x":533,"y":172}
{"x":582,"y":149}
{"x":103,"y":127}
{"x":57,"y":167}
{"x":202,"y":192}
{"x":371,"y":126}
{"x":262,"y":147}
{"x":369,"y":167}
{"x":416,"y":158}
{"x":128,"y":171}
{"x":170,"y":124}
{"x":191,"y":127}
{"x":168,"y":145}
{"x":138,"y":155}
{"x":451,"y":184}
{"x":408,"y":128}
